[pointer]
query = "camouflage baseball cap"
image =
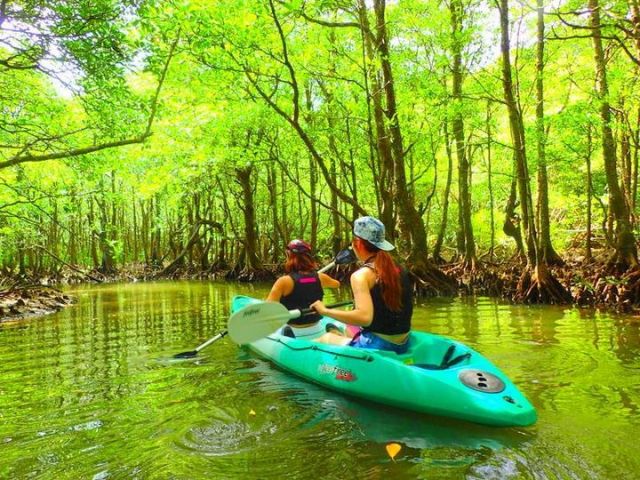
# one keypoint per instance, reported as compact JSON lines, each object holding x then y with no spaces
{"x":372,"y":230}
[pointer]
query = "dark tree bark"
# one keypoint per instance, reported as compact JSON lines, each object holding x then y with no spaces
{"x":490,"y":183}
{"x":156,"y":231}
{"x":588,"y":253}
{"x":468,"y":242}
{"x":545,"y":246}
{"x":413,"y":237}
{"x":336,"y":156}
{"x":511,"y":225}
{"x":193,"y":239}
{"x":272,"y":187}
{"x":383,"y":143}
{"x":244,"y":177}
{"x":517,"y":137}
{"x":437,"y":249}
{"x":313,"y":178}
{"x":626,"y":254}
{"x":313,"y":204}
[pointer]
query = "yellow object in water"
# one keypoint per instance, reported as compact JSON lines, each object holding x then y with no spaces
{"x":393,"y":449}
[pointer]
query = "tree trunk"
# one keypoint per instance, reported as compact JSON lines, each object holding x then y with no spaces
{"x":511,"y":225}
{"x":94,"y":234}
{"x":383,"y":144}
{"x":194,"y":238}
{"x":135,"y":226}
{"x":352,"y":166}
{"x":517,"y":138}
{"x":545,"y":246}
{"x":468,"y":241}
{"x":588,"y":254}
{"x":537,"y":284}
{"x":413,"y":237}
{"x":154,"y":216}
{"x":437,"y":255}
{"x":272,"y":187}
{"x":107,"y":263}
{"x":313,"y":204}
{"x":626,"y":255}
{"x":244,"y":176}
{"x":490,"y":183}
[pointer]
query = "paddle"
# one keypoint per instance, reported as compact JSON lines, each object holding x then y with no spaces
{"x":258,"y":320}
{"x":343,"y":257}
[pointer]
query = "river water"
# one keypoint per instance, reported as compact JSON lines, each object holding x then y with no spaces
{"x":93,"y":392}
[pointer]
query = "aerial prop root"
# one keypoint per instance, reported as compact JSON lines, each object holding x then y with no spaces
{"x":430,"y":280}
{"x":541,"y":287}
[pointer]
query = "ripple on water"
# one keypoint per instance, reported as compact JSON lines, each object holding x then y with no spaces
{"x":263,"y":443}
{"x":225,"y":438}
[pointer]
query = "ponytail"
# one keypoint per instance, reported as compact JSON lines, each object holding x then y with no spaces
{"x":388,"y":277}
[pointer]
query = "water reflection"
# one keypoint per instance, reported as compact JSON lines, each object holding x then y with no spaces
{"x":372,"y":422}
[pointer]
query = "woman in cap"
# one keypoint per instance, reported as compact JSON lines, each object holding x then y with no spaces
{"x":383,"y":299}
{"x":300,"y":287}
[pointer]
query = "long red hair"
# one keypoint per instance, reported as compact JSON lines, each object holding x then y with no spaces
{"x":299,"y":262}
{"x":388,"y":276}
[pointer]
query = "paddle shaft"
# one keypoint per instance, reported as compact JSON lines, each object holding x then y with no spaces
{"x":307,"y":311}
{"x":327,"y":267}
{"x":211,"y":340}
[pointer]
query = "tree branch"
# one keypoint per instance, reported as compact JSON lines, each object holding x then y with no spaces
{"x":287,"y":63}
{"x":75,"y":152}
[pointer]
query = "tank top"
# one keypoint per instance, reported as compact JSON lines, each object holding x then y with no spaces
{"x":306,"y":290}
{"x":390,"y":322}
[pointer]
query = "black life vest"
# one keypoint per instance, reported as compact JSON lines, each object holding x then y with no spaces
{"x":307,"y":288}
{"x":390,"y":322}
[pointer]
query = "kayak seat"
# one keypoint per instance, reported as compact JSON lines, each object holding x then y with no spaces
{"x":447,"y":361}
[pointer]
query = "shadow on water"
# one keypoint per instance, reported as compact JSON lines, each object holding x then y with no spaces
{"x":369,"y":421}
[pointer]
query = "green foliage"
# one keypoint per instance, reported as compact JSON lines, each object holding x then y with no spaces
{"x":228,"y":103}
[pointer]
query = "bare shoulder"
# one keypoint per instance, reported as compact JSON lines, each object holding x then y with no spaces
{"x":285,"y":282}
{"x":282,"y":287}
{"x":363,"y":276}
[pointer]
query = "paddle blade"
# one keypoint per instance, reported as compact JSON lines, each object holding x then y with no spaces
{"x":256,"y":321}
{"x":189,"y":354}
{"x":345,"y":256}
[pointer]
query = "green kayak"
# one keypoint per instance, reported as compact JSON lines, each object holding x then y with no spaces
{"x":437,"y":375}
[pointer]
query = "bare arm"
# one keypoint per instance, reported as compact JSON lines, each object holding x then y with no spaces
{"x":328,"y":282}
{"x":362,"y":313}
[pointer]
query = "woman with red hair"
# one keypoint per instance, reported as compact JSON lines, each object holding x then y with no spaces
{"x":300,"y":287}
{"x":382,"y":294}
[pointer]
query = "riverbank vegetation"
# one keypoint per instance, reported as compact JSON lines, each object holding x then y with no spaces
{"x":498,"y":141}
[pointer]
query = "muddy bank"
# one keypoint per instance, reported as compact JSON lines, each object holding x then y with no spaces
{"x":590,"y":283}
{"x":27,"y":301}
